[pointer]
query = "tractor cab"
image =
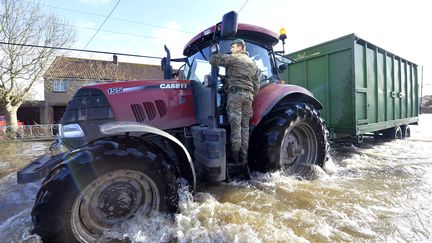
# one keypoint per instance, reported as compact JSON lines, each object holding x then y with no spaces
{"x":208,"y":86}
{"x":198,"y":69}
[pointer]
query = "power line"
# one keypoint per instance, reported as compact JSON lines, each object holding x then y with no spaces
{"x":102,"y":24}
{"x":154,"y":26}
{"x":108,"y":31}
{"x":115,"y":32}
{"x":80,"y":50}
{"x":243,"y":6}
{"x":114,"y":18}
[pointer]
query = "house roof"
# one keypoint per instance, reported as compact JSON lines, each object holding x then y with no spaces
{"x":78,"y":68}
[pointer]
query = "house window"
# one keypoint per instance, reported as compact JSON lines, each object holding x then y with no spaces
{"x":60,"y":86}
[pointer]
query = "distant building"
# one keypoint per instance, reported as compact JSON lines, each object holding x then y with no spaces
{"x":66,"y":75}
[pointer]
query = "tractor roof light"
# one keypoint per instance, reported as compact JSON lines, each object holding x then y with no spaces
{"x":282,"y":34}
{"x":282,"y":37}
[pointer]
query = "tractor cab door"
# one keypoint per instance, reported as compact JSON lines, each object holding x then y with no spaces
{"x":198,"y":70}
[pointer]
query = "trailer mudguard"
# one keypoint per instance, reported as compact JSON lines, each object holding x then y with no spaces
{"x":272,"y":93}
{"x":185,"y":160}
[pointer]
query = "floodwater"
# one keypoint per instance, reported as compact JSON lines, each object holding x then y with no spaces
{"x":375,"y":191}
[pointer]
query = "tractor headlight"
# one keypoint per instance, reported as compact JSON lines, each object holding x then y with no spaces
{"x":72,"y":131}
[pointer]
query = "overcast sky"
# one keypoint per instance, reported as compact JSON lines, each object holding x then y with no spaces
{"x":142,"y":26}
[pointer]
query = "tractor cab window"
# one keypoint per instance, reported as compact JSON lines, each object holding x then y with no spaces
{"x":262,"y":59}
{"x":199,"y":66}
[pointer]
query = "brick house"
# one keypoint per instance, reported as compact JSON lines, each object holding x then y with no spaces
{"x":67,"y":74}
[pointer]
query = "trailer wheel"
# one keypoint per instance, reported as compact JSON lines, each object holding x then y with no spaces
{"x":291,"y":137}
{"x":393,"y":133}
{"x":406,"y":131}
{"x":102,"y":185}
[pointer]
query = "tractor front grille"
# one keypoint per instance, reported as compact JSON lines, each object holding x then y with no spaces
{"x":161,"y":107}
{"x":148,"y":111}
{"x":138,"y":112}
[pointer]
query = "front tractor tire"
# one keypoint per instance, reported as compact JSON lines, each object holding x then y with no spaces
{"x":102,"y":185}
{"x":292,"y":137}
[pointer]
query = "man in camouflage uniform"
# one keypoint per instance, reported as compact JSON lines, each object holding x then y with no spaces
{"x":242,"y":85}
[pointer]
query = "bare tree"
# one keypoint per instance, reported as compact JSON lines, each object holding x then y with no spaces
{"x":25,"y":23}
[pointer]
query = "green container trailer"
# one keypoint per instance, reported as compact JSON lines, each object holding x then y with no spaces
{"x":364,"y":89}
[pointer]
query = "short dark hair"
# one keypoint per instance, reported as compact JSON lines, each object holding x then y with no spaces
{"x":238,"y":42}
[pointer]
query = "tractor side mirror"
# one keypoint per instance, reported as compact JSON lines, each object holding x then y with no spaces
{"x":282,"y":67}
{"x":229,"y":25}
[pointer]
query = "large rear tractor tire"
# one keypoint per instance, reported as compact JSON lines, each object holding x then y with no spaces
{"x":102,"y":185}
{"x":292,"y":137}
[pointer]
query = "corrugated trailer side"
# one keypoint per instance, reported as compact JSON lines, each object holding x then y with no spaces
{"x":364,"y":88}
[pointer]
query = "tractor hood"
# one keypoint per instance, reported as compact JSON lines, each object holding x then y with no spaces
{"x":164,"y":104}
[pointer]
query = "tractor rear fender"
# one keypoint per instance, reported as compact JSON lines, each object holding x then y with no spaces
{"x":184,"y":159}
{"x":272,"y":93}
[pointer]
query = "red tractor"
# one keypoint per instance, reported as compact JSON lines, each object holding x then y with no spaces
{"x":132,"y":143}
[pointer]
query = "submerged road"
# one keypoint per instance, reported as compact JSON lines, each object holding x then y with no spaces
{"x":375,"y":191}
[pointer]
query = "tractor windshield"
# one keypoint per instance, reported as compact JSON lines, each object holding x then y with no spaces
{"x":200,"y":67}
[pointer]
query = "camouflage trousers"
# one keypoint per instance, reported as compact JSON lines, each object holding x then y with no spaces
{"x":239,"y":109}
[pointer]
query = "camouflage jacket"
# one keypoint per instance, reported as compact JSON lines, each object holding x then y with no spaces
{"x":240,"y":71}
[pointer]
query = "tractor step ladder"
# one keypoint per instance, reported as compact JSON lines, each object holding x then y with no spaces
{"x":238,"y":171}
